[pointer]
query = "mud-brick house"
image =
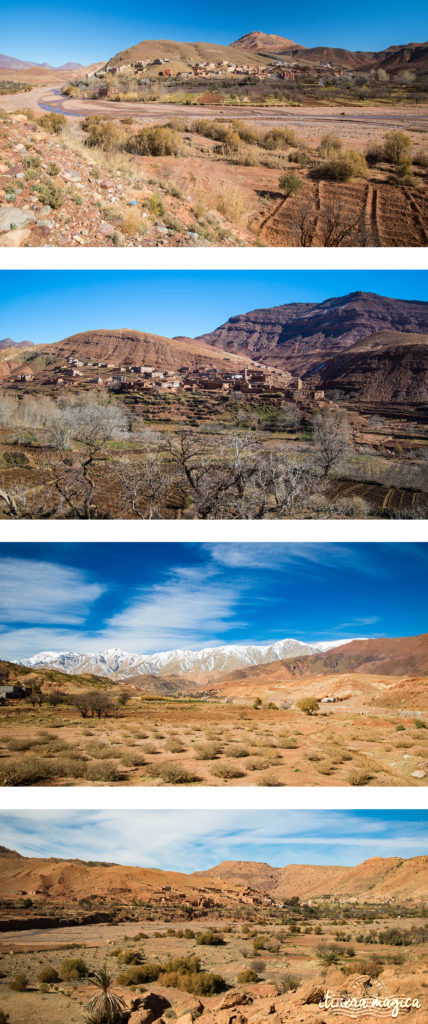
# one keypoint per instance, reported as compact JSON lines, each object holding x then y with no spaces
{"x":13,"y":691}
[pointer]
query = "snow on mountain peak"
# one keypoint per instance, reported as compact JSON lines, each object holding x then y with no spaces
{"x":116,"y":663}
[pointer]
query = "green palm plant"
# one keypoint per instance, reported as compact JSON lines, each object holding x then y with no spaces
{"x":105,"y":1007}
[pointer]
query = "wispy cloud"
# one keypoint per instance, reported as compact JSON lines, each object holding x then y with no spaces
{"x":180,"y":611}
{"x":45,"y":592}
{"x":196,"y":840}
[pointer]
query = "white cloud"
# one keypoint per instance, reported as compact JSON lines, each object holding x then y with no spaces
{"x":185,"y":840}
{"x":44,"y":592}
{"x":181,"y":612}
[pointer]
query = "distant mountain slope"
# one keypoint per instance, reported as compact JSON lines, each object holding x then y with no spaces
{"x":385,"y":656}
{"x":8,"y":343}
{"x":386,"y":366}
{"x":187,"y":52}
{"x":15,"y":64}
{"x":301,"y":336}
{"x":54,"y":878}
{"x":117,"y":664}
{"x":378,"y":876}
{"x":264,"y":42}
{"x":404,"y":56}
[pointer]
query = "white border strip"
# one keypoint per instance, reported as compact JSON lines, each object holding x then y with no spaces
{"x":230,"y":798}
{"x":215,"y":531}
{"x":257,"y":259}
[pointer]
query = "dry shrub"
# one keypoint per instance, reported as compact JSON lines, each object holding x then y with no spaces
{"x":149,"y":748}
{"x":236,"y":750}
{"x":174,"y":774}
{"x":132,"y":222}
{"x":174,"y":746}
{"x":157,"y":141}
{"x":269,"y":780}
{"x":98,"y":750}
{"x":228,"y":771}
{"x":134,"y":760}
{"x":25,"y":772}
{"x":104,"y":772}
{"x":230,"y":202}
{"x":208,"y":751}
{"x":102,"y":133}
{"x":359,"y":778}
{"x":348,"y":164}
{"x":330,"y":145}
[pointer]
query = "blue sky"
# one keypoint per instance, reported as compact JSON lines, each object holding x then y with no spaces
{"x":196,"y":840}
{"x":45,"y":306}
{"x":87,"y":32}
{"x":153,"y":597}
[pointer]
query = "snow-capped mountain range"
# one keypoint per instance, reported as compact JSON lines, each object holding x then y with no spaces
{"x":118,"y":664}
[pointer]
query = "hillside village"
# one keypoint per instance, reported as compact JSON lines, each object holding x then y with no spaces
{"x":127,"y":378}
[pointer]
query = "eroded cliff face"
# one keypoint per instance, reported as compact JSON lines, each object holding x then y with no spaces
{"x":302,"y":336}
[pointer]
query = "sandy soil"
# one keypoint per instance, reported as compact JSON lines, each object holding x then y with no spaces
{"x":341,"y":746}
{"x":296,"y":955}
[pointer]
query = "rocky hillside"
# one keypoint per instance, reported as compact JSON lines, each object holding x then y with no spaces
{"x":130,"y":347}
{"x":388,"y":366}
{"x":265,"y":42}
{"x":402,"y":57}
{"x":386,"y":656}
{"x":300,"y":337}
{"x":379,"y":876}
{"x":54,"y":878}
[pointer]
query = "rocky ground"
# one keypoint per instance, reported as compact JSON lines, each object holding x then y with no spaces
{"x":99,"y":206}
{"x":197,"y":198}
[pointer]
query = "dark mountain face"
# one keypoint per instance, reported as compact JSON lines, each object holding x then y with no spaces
{"x":394,"y":368}
{"x":300,"y":337}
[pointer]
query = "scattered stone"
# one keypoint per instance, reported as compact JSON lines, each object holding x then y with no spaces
{"x":419,"y":774}
{"x":4,"y":169}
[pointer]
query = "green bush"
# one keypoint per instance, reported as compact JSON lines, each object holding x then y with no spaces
{"x":50,"y":193}
{"x":290,"y":184}
{"x":396,"y":148}
{"x":140,"y":974}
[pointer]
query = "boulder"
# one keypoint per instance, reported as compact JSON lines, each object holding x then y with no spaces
{"x":232,"y":999}
{"x":194,"y":1011}
{"x":151,"y":1007}
{"x":311,"y":992}
{"x":14,"y":217}
{"x":13,"y":239}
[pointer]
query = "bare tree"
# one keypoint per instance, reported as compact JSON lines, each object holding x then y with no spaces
{"x":330,"y":436}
